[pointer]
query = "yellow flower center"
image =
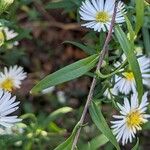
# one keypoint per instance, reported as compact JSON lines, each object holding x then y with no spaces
{"x":134,"y":119}
{"x":128,"y":75}
{"x":102,"y":17}
{"x":2,"y":38}
{"x":7,"y":85}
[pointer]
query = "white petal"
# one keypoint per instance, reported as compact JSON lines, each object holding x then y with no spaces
{"x":134,"y":101}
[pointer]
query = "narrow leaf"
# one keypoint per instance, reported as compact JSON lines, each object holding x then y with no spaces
{"x":56,"y":114}
{"x":60,"y":4}
{"x":102,"y":125}
{"x":146,"y":39}
{"x":139,"y":15}
{"x":67,"y":73}
{"x":95,"y":143}
{"x":130,"y":29}
{"x":136,"y":145}
{"x":67,"y":145}
{"x":85,"y":48}
{"x":131,"y":57}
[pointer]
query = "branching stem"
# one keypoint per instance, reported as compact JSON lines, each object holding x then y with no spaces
{"x":93,"y":84}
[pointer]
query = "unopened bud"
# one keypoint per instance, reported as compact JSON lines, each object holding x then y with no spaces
{"x":4,"y":4}
{"x":2,"y":37}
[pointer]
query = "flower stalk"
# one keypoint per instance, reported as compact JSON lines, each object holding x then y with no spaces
{"x":101,"y":58}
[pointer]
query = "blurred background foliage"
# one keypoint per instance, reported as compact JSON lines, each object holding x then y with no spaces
{"x":48,"y":119}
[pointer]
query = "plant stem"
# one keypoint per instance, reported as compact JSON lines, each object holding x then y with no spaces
{"x":93,"y":84}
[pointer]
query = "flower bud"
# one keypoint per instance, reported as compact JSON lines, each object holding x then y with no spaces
{"x":2,"y":38}
{"x":4,"y":4}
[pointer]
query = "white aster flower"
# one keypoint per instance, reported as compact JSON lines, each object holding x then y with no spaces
{"x":18,"y":128}
{"x":98,"y":15}
{"x":61,"y":97}
{"x":11,"y":78}
{"x":110,"y":92}
{"x":131,"y":119}
{"x":8,"y":106}
{"x":10,"y":34}
{"x":126,"y":83}
{"x":144,"y":63}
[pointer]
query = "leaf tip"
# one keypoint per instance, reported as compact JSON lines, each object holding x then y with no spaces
{"x":33,"y":91}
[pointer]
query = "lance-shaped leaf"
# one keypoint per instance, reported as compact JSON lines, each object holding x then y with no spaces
{"x":136,"y":146}
{"x":67,"y":145}
{"x":56,"y":114}
{"x":85,"y":48}
{"x":146,"y":39}
{"x":130,"y":29}
{"x":95,"y":143}
{"x":65,"y":4}
{"x":139,"y":15}
{"x":128,"y":49}
{"x":67,"y":73}
{"x":102,"y":125}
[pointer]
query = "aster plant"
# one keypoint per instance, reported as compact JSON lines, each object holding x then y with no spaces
{"x":120,"y":75}
{"x":124,"y":75}
{"x":125,"y":82}
{"x":8,"y":106}
{"x":98,"y":14}
{"x":132,"y":117}
{"x":10,"y":78}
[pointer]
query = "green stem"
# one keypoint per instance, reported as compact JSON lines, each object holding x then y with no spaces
{"x":100,"y":75}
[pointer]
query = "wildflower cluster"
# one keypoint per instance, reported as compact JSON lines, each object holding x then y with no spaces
{"x":98,"y":14}
{"x":10,"y":80}
{"x":114,"y":80}
{"x":10,"y":77}
{"x":7,"y":37}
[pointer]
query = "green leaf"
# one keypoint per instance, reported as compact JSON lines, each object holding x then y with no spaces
{"x":139,"y":15}
{"x":136,"y":145}
{"x":95,"y":143}
{"x":130,"y":29}
{"x":102,"y":125}
{"x":131,"y":57}
{"x":67,"y":145}
{"x":146,"y":39}
{"x":56,"y":114}
{"x":55,"y":128}
{"x":29,"y":116}
{"x":11,"y":139}
{"x":100,"y":75}
{"x":85,"y":48}
{"x":67,"y":73}
{"x":60,"y":4}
